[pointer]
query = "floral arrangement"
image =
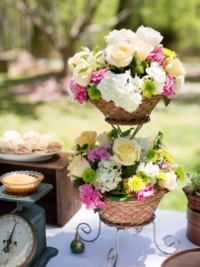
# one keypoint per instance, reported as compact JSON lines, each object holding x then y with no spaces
{"x":121,"y":166}
{"x":132,"y":65}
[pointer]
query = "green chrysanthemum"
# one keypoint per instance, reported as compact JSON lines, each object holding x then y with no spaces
{"x":93,"y":92}
{"x":152,"y":155}
{"x":135,"y":183}
{"x":89,"y":175}
{"x":179,"y":172}
{"x":161,"y":176}
{"x":148,"y":88}
{"x":168,"y":156}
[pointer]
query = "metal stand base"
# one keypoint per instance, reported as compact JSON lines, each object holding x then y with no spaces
{"x":114,"y":253}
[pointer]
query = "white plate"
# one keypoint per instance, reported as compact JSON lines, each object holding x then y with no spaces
{"x":28,"y":158}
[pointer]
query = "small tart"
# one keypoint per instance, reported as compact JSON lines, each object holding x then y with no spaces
{"x":20,"y":184}
{"x":21,"y":179}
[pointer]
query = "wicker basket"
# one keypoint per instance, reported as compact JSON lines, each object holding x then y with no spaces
{"x":117,"y":115}
{"x":133,"y":213}
{"x":193,"y":201}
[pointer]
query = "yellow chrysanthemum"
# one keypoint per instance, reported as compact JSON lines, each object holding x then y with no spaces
{"x":136,"y":183}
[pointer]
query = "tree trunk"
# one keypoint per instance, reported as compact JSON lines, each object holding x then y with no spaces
{"x":134,"y":20}
{"x":66,"y":52}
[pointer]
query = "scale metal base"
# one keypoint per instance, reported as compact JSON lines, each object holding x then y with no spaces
{"x":35,"y":214}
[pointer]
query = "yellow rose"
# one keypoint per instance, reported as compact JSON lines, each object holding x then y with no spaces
{"x":78,"y":165}
{"x":120,"y":54}
{"x":175,"y":67}
{"x":126,"y":152}
{"x":86,"y":137}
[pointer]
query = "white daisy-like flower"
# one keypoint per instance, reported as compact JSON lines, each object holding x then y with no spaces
{"x":149,"y":169}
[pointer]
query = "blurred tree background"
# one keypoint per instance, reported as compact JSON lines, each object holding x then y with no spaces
{"x":38,"y":36}
{"x":56,"y":29}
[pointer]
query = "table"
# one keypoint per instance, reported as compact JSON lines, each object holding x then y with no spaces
{"x":135,"y":249}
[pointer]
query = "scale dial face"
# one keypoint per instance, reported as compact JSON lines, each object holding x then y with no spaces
{"x":18,"y":241}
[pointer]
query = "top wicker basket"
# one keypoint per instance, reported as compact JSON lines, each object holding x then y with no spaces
{"x":117,"y":115}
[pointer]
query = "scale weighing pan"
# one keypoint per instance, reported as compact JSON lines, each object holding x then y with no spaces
{"x":184,"y":258}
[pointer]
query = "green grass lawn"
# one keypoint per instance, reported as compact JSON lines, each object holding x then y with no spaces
{"x":179,"y":122}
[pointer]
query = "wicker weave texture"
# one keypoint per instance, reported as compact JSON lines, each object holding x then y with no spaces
{"x":131,"y":213}
{"x":193,"y":201}
{"x":117,"y":115}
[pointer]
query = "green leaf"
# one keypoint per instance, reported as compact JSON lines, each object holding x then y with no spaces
{"x":95,"y":50}
{"x":120,"y":197}
{"x":128,"y":132}
{"x":93,"y":92}
{"x":83,"y":70}
{"x":166,"y":101}
{"x":78,"y":182}
{"x":85,"y":57}
{"x":129,"y":171}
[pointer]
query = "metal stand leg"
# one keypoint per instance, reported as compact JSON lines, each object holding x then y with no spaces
{"x":165,"y":241}
{"x":88,"y":231}
{"x":114,"y":253}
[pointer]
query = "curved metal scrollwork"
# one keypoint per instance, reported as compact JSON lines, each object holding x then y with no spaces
{"x":88,"y":231}
{"x":176,"y":241}
{"x":113,"y":254}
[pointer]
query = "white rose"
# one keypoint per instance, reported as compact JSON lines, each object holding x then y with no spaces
{"x":82,"y":74}
{"x":103,"y":139}
{"x":149,"y":35}
{"x":116,"y":36}
{"x":126,"y":152}
{"x":175,"y":67}
{"x":142,"y":49}
{"x":78,"y":165}
{"x":120,"y":54}
{"x":170,"y":183}
{"x":76,"y":60}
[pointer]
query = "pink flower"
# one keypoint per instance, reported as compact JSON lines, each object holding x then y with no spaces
{"x":164,"y":165}
{"x":156,"y":55}
{"x":91,"y":197}
{"x":147,"y":192}
{"x":99,"y":153}
{"x":168,"y":89}
{"x":79,"y":91}
{"x":97,"y":76}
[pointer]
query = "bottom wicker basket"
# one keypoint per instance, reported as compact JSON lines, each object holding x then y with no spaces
{"x":133,"y":213}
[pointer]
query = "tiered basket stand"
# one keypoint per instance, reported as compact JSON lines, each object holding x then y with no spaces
{"x":117,"y":116}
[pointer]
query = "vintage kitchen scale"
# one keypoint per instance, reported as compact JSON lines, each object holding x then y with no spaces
{"x":22,"y":231}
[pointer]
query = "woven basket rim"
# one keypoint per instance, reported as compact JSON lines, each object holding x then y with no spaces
{"x":157,"y":193}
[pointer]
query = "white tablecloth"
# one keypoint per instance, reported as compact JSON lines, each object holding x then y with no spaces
{"x":135,"y":249}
